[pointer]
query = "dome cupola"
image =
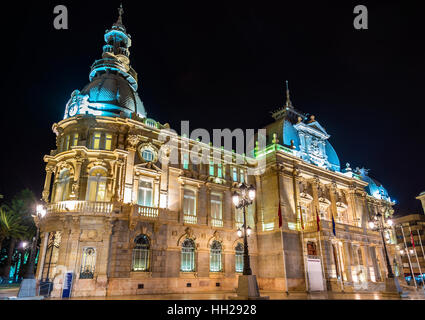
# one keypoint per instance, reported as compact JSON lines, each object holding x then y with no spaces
{"x":112,"y":90}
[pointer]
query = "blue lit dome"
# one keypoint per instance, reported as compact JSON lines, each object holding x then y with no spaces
{"x":290,"y":133}
{"x":374,"y":187}
{"x":113,"y":94}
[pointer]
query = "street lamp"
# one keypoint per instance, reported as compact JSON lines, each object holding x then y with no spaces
{"x":378,"y":223}
{"x":28,"y":284}
{"x":242,"y":200}
{"x":247,"y":282}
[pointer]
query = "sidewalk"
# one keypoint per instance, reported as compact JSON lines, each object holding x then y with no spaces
{"x":272,"y":295}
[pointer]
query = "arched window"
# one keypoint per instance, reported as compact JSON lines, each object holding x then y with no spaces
{"x":239,"y":257}
{"x":88,"y":263}
{"x":141,"y":253}
{"x":215,"y":257}
{"x":63,"y":186}
{"x":188,"y":256}
{"x":96,"y":185}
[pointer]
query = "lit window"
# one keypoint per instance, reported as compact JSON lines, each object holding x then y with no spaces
{"x":151,"y":123}
{"x":65,"y":146}
{"x":108,"y":141}
{"x":215,"y":257}
{"x":235,"y":175}
{"x":242,"y":176}
{"x":188,"y":256}
{"x":141,"y":253}
{"x":219,"y":171}
{"x":88,"y":263}
{"x":239,"y":257}
{"x":216,"y":207}
{"x":63,"y":186}
{"x":212,"y":171}
{"x":147,"y":155}
{"x":145,"y":193}
{"x":96,"y":190}
{"x":74,"y":140}
{"x":96,"y":140}
{"x":185,"y":161}
{"x":189,"y":203}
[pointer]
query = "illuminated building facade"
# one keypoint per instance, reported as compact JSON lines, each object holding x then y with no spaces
{"x":127,"y":220}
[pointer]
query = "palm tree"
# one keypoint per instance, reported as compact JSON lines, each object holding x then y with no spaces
{"x":20,"y":221}
{"x":11,"y":225}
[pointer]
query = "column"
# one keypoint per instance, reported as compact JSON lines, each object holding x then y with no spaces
{"x":75,"y":185}
{"x":208,"y":204}
{"x":366,"y":260}
{"x":347,"y":260}
{"x":47,"y":182}
{"x":44,"y":237}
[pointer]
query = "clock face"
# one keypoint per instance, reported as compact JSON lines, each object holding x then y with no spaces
{"x":73,"y":110}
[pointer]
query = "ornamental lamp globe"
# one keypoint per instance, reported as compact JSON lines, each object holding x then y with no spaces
{"x":41,"y":211}
{"x":235,"y":198}
{"x":371,"y":224}
{"x":251,"y":192}
{"x":390,"y":222}
{"x":239,"y":233}
{"x":248,"y":231}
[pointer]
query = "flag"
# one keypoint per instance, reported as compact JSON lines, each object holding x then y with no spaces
{"x":279,"y":213}
{"x":333,"y":225}
{"x":317,"y":220}
{"x":411,"y":239}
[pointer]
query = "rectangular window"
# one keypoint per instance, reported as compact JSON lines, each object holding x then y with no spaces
{"x":212,"y":171}
{"x":216,"y":207}
{"x":74,"y":140}
{"x":235,"y":175}
{"x":219,"y":171}
{"x":145,"y":193}
{"x":242,"y":176}
{"x":108,"y":141}
{"x":66,"y":143}
{"x":96,"y":140}
{"x":189,"y":206}
{"x":185,"y":161}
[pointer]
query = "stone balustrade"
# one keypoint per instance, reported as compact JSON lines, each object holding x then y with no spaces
{"x":148,"y":212}
{"x":80,"y":207}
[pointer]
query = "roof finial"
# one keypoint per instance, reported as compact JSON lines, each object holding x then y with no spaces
{"x":120,"y":12}
{"x":288,"y":98}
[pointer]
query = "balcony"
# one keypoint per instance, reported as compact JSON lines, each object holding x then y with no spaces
{"x":73,"y":206}
{"x":190,"y":219}
{"x":147,"y":212}
{"x":217,"y":223}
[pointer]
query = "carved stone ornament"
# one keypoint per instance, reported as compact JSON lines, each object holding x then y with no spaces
{"x":133,"y":140}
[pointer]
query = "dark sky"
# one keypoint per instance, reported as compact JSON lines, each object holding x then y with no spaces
{"x":223,"y":65}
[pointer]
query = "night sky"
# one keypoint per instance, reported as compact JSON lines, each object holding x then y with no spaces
{"x":223,"y":65}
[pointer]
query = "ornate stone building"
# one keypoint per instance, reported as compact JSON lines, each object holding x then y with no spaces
{"x":125,"y":219}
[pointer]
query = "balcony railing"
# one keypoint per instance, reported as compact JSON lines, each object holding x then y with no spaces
{"x":217,"y":223}
{"x":190,"y":219}
{"x":149,"y":212}
{"x":80,"y":207}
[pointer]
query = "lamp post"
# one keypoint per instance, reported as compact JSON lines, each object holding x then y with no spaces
{"x":247,"y":282}
{"x":28,"y":284}
{"x":378,"y":223}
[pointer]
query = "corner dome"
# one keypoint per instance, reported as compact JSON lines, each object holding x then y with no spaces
{"x":374,"y":187}
{"x":112,"y":94}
